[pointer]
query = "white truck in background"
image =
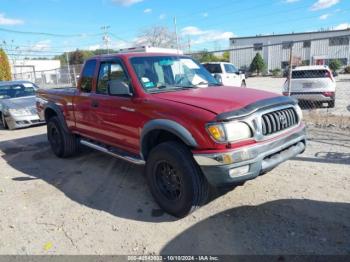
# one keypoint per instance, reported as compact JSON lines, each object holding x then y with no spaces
{"x":226,"y":73}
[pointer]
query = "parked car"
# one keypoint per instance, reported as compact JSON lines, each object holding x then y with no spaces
{"x":225,"y":73}
{"x":17,"y":104}
{"x":312,"y":84}
{"x":148,"y":109}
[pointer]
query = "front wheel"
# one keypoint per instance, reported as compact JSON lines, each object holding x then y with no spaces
{"x":175,"y":180}
{"x":243,"y":84}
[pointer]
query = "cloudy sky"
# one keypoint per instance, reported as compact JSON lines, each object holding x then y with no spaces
{"x":53,"y":26}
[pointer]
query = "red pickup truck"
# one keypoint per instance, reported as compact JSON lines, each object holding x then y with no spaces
{"x":167,"y":112}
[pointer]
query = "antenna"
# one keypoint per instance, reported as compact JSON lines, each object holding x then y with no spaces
{"x":177,"y":37}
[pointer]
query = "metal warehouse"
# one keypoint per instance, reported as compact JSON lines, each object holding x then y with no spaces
{"x":309,"y":48}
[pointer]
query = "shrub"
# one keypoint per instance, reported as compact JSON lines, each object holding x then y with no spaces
{"x":258,"y":64}
{"x":347,"y":70}
{"x":276,"y":72}
{"x":335,"y":65}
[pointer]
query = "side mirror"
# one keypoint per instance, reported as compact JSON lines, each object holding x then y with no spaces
{"x":119,"y":88}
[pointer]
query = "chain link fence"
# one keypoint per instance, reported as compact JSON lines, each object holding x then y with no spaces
{"x":314,"y":71}
{"x":66,"y":76}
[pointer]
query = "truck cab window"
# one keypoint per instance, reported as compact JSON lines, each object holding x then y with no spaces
{"x":110,"y":74}
{"x":87,"y":76}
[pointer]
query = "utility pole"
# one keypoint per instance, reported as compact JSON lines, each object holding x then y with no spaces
{"x":69,"y":77}
{"x":106,"y":37}
{"x":176,"y":35}
{"x":290,"y":67}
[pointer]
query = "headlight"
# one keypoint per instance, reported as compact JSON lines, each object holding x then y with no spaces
{"x":299,"y":112}
{"x":229,"y":132}
{"x":19,"y":112}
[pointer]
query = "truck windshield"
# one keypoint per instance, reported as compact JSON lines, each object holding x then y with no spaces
{"x":169,"y":73}
{"x":14,"y":91}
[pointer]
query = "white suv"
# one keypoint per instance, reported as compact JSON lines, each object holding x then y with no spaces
{"x":313,"y":84}
{"x":226,"y":73}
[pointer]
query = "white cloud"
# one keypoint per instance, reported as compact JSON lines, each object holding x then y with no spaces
{"x":147,"y":10}
{"x":203,"y":36}
{"x":323,"y":4}
{"x":116,"y":45}
{"x":126,"y":2}
{"x":44,"y":45}
{"x":342,"y":26}
{"x":205,"y":14}
{"x":162,"y":16}
{"x":291,"y":1}
{"x":9,"y":21}
{"x":191,"y":30}
{"x":94,"y":47}
{"x":324,"y":17}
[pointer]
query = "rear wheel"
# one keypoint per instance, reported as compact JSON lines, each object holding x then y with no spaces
{"x":175,"y":180}
{"x":63,"y":144}
{"x":3,"y":122}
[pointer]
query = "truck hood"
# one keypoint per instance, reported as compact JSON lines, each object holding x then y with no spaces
{"x":217,"y":99}
{"x":19,"y":103}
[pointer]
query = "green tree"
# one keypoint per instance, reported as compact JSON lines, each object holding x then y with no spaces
{"x":258,"y":65}
{"x":5,"y":69}
{"x":335,"y":65}
{"x":205,"y":56}
{"x":225,"y":57}
{"x":76,"y":57}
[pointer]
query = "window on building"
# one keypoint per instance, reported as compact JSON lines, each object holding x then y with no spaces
{"x":307,"y":44}
{"x":87,"y":76}
{"x":258,"y":46}
{"x":286,"y":44}
{"x":305,"y":62}
{"x":340,"y":40}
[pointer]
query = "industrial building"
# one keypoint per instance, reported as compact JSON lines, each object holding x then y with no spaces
{"x":43,"y":71}
{"x":309,"y":48}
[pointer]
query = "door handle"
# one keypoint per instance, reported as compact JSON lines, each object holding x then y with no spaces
{"x":94,"y":103}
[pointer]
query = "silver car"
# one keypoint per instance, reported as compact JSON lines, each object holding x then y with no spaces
{"x":17,"y":104}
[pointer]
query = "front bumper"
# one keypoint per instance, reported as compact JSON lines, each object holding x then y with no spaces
{"x":248,"y":162}
{"x":14,"y":122}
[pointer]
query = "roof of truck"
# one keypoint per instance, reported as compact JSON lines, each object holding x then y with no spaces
{"x":135,"y":54}
{"x":312,"y":67}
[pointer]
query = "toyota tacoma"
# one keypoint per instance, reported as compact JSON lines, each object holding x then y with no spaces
{"x":167,"y":112}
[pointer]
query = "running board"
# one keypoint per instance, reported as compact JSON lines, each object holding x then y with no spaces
{"x":119,"y":155}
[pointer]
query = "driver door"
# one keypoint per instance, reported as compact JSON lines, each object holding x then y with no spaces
{"x":115,"y":114}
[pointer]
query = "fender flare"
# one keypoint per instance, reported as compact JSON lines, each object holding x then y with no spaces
{"x":169,"y":126}
{"x":59,"y":113}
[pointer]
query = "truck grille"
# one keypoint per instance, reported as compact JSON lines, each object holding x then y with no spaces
{"x":279,"y":120}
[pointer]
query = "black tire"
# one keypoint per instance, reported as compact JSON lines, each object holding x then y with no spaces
{"x":63,"y":144}
{"x":243,"y":84}
{"x":331,"y":104}
{"x":3,"y":122}
{"x":188,"y":187}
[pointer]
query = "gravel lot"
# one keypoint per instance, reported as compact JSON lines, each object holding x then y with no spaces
{"x":95,"y":204}
{"x":342,"y":103}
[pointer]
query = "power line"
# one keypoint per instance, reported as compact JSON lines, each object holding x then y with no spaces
{"x":48,"y":34}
